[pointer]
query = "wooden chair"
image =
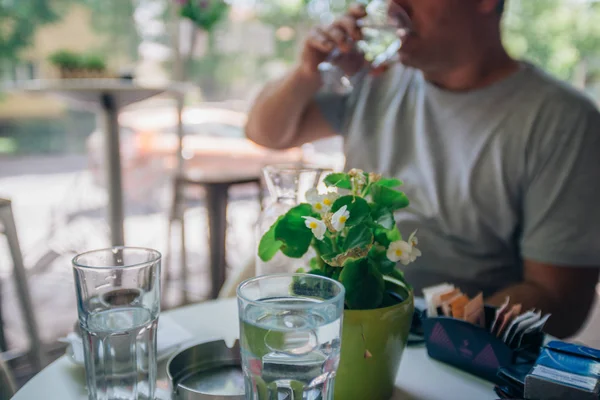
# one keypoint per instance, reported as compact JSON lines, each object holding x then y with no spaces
{"x":8,"y":228}
{"x":217,"y":198}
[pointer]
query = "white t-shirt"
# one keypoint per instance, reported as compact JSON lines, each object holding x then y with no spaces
{"x":495,"y":175}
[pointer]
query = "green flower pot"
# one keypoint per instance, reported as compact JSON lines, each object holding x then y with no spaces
{"x":383,"y":333}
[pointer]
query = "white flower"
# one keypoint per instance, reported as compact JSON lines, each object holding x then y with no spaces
{"x":414,"y":254}
{"x":338,"y":220}
{"x":317,"y":227}
{"x":328,"y":200}
{"x":405,"y":252}
{"x":358,"y":175}
{"x":412,"y":239}
{"x":317,"y":201}
{"x":399,"y":251}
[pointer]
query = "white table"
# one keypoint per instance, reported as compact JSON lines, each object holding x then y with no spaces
{"x":419,"y":377}
{"x":107,"y":97}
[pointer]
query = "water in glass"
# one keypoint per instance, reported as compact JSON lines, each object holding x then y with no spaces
{"x":378,"y":41}
{"x":290,"y":347}
{"x":118,"y":301}
{"x":121,"y":344}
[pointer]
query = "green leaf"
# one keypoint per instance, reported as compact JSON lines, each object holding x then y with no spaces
{"x":317,"y":272}
{"x":336,"y":274}
{"x":390,"y":183}
{"x":382,"y":216}
{"x":269,"y":246}
{"x":324,"y":246}
{"x":364,"y":285}
{"x":389,"y":198}
{"x":358,"y":236}
{"x":386,"y":236}
{"x":378,"y":258}
{"x":329,"y":257}
{"x":357,"y":206}
{"x":340,"y":260}
{"x":292,"y":231}
{"x":397,"y":274}
{"x":339,"y":180}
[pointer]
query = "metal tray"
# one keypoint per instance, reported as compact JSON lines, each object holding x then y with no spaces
{"x":207,"y":371}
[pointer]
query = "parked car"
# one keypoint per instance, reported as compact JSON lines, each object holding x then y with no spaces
{"x":214,"y":144}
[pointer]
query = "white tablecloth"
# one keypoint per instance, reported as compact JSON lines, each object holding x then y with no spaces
{"x":419,"y":376}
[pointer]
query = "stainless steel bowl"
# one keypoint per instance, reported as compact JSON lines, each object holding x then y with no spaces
{"x":207,"y":371}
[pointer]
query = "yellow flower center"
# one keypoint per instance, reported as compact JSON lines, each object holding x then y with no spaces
{"x":313,"y":225}
{"x":343,"y":219}
{"x":319,"y":206}
{"x":398,"y":252}
{"x":327,"y":202}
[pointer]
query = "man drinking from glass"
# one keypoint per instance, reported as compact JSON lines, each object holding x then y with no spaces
{"x":501,"y":161}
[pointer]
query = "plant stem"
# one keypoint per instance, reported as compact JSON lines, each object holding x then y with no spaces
{"x":366,"y":190}
{"x":318,"y":252}
{"x":334,"y":243}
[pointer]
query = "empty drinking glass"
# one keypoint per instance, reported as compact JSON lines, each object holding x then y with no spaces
{"x":118,"y":301}
{"x":383,"y":30}
{"x":287,"y":186}
{"x":290,"y":327}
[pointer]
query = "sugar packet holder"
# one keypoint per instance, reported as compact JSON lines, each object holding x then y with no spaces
{"x":473,"y":348}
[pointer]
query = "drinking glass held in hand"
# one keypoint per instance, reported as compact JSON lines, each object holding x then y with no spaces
{"x":118,"y":301}
{"x":290,"y":327}
{"x":380,"y":35}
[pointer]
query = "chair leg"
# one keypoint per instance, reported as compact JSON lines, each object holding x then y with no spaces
{"x":216,"y":207}
{"x":166,"y":271}
{"x":20,"y":278}
{"x":7,"y":383}
{"x":184,"y":264}
{"x":172,"y":218}
{"x":3,"y":345}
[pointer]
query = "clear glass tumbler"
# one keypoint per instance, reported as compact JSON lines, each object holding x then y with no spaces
{"x":118,"y":301}
{"x":384,"y":28}
{"x":290,"y":330}
{"x":287,"y":186}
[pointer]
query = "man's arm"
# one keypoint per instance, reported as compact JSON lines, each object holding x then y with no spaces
{"x":285,"y":114}
{"x":565,"y":292}
{"x":560,"y":241}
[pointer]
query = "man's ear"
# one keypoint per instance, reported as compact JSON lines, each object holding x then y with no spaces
{"x":490,"y":6}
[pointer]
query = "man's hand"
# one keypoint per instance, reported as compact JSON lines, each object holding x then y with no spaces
{"x":341,"y":34}
{"x":565,"y":292}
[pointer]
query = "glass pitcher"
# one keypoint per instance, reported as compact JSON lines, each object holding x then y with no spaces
{"x":287,"y":185}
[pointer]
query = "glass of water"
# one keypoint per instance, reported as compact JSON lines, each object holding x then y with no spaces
{"x":118,"y":302}
{"x":290,"y":335}
{"x":383,"y":29}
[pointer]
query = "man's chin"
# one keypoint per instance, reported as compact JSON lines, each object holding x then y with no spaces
{"x":407,"y":60}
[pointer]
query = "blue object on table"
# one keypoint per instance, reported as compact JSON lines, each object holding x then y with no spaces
{"x":473,"y":348}
{"x":565,"y":370}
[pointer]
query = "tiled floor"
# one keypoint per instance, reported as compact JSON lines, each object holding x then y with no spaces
{"x":59,"y":212}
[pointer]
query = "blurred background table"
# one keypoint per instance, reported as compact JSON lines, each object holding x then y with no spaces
{"x":107,"y":97}
{"x":419,"y":376}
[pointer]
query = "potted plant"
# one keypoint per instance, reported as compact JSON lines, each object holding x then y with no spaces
{"x":355,"y":240}
{"x":66,"y":61}
{"x":94,"y":63}
{"x":205,"y":14}
{"x":75,"y":65}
